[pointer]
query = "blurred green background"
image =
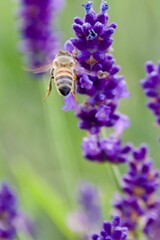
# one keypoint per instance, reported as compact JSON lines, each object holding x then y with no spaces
{"x":40,"y":151}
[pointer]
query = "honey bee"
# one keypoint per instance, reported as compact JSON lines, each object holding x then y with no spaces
{"x":62,"y":72}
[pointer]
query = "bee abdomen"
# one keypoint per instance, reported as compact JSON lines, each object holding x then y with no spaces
{"x":64,"y":84}
{"x":64,"y":80}
{"x":64,"y":90}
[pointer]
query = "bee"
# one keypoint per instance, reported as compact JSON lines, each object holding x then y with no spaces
{"x":62,"y":72}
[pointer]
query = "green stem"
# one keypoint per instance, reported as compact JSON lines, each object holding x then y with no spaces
{"x":113,"y":169}
{"x":17,"y":237}
{"x":115,"y":175}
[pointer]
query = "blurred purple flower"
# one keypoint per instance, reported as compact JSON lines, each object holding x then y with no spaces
{"x":40,"y":41}
{"x":88,"y":217}
{"x":24,"y":225}
{"x":112,"y":231}
{"x":151,"y":87}
{"x":8,"y":212}
{"x":152,"y":225}
{"x":12,"y":221}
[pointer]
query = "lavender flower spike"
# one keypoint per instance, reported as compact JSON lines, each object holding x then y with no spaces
{"x":138,"y":203}
{"x":40,"y":40}
{"x":97,"y":79}
{"x":151,"y":87}
{"x":141,"y":180}
{"x":8,"y":212}
{"x":112,"y":231}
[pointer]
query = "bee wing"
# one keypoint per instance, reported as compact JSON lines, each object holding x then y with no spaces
{"x":93,"y":74}
{"x":41,"y":69}
{"x":83,"y":70}
{"x":87,"y":72}
{"x":99,"y":74}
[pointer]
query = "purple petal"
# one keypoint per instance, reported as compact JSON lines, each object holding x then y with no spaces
{"x":70,"y":103}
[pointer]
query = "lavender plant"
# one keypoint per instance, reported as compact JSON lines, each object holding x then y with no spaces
{"x":8,"y":212}
{"x":137,"y":204}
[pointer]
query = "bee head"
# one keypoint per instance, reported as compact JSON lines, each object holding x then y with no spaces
{"x":64,"y":59}
{"x":64,"y":53}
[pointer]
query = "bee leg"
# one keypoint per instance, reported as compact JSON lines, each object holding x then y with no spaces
{"x":49,"y":88}
{"x":74,"y":90}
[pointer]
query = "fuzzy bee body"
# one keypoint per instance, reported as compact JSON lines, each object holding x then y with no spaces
{"x":64,"y":80}
{"x":63,"y":71}
{"x":63,"y":74}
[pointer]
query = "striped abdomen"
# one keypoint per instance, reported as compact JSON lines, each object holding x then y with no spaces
{"x":64,"y":81}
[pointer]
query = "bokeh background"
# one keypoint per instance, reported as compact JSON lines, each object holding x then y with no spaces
{"x":40,"y":145}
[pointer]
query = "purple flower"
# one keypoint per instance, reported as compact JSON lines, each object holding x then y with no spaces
{"x":129,"y":210}
{"x":24,"y":225}
{"x":88,"y":217}
{"x":8,"y":212}
{"x":114,"y":151}
{"x":40,"y":40}
{"x":112,"y":231}
{"x":141,"y":180}
{"x":70,"y":103}
{"x":152,"y":224}
{"x":151,"y":87}
{"x":94,"y":118}
{"x":90,"y":201}
{"x":106,"y":149}
{"x":138,"y":202}
{"x":91,"y":49}
{"x":98,"y":79}
{"x":91,"y":148}
{"x":121,"y":125}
